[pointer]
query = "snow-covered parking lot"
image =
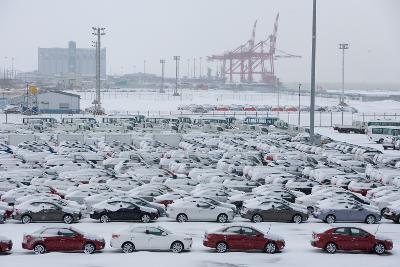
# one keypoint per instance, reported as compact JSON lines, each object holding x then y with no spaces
{"x":298,"y":251}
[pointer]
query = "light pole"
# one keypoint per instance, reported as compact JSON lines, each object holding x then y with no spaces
{"x":162,"y":61}
{"x":343,"y":47}
{"x":97,"y":31}
{"x":194,"y":68}
{"x":188,"y":68}
{"x":200,"y":68}
{"x":312,"y":100}
{"x":176,"y":58}
{"x":299,"y":105}
{"x":144,"y":71}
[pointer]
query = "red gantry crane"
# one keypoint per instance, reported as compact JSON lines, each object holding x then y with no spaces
{"x":252,"y":58}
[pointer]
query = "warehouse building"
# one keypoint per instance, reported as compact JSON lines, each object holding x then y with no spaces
{"x":51,"y":102}
{"x":71,"y":60}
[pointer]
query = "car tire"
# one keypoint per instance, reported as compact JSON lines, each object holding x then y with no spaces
{"x":89,"y":248}
{"x":104,"y":218}
{"x":177,"y":247}
{"x":182,"y":217}
{"x":331,"y":248}
{"x":26,"y":219}
{"x":297,"y":218}
{"x":379,"y":248}
{"x":145,"y":218}
{"x":384,"y":210}
{"x":270,"y":248}
{"x":128,"y":247}
{"x":221,"y":247}
{"x":370,"y":219}
{"x":68,"y":219}
{"x":330,"y":219}
{"x":39,"y":249}
{"x":257,"y":218}
{"x":222,"y":218}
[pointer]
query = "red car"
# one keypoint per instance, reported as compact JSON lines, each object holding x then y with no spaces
{"x":62,"y":239}
{"x":350,"y":238}
{"x":241,"y":238}
{"x":5,"y":244}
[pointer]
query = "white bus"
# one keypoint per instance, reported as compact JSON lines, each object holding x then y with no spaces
{"x":383,"y":123}
{"x":378,"y":133}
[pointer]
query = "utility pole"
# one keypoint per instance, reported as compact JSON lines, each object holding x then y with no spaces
{"x":343,"y":47}
{"x":176,"y":58}
{"x":97,"y":31}
{"x":312,"y":100}
{"x":194,"y":68}
{"x":144,"y":71}
{"x":298,"y":123}
{"x":12,"y":68}
{"x":188,"y":68}
{"x":200,"y":68}
{"x":162,"y":61}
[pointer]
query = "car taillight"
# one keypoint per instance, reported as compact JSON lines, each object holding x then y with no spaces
{"x":115,"y":236}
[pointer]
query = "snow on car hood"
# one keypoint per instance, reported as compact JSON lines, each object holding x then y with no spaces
{"x":274,"y":237}
{"x":4,"y":239}
{"x":382,"y":237}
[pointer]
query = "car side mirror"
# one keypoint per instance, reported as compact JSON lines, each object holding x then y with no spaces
{"x":273,"y":206}
{"x":213,"y":207}
{"x":197,"y":205}
{"x":164,"y":234}
{"x":147,"y":232}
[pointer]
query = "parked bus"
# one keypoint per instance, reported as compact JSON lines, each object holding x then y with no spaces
{"x":383,"y":123}
{"x":260,"y":120}
{"x":378,"y":133}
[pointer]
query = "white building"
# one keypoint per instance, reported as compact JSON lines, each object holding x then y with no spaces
{"x":52,"y":102}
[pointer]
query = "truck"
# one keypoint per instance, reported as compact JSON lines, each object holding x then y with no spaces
{"x":355,"y":127}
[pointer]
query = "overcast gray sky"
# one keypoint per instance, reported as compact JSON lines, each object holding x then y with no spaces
{"x":154,"y":29}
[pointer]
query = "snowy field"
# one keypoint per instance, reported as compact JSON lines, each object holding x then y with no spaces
{"x":298,"y":251}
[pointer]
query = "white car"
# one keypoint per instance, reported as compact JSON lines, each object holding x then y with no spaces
{"x":197,"y":210}
{"x":150,"y":238}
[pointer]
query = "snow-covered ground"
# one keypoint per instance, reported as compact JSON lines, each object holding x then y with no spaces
{"x":298,"y":251}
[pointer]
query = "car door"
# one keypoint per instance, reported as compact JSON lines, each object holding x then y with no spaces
{"x":51,"y":212}
{"x":205,"y":211}
{"x":124,"y":212}
{"x":51,"y":239}
{"x":138,"y":237}
{"x":69,"y":240}
{"x":234,"y":237}
{"x":253,"y":239}
{"x":133,"y":212}
{"x":156,"y":239}
{"x":362,"y":240}
{"x":283,"y":213}
{"x":342,"y":238}
{"x":268,"y":211}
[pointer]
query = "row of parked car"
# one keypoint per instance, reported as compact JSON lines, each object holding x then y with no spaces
{"x":259,"y":176}
{"x":236,"y":237}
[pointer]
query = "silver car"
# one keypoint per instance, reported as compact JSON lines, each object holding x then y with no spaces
{"x":347,"y":212}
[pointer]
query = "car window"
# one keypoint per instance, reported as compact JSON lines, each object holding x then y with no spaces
{"x":203,"y":205}
{"x":358,"y":232}
{"x":249,"y":231}
{"x":342,"y":231}
{"x":65,"y":232}
{"x":154,"y":231}
{"x":114,"y":203}
{"x":140,"y":230}
{"x":50,"y":232}
{"x":49,"y":206}
{"x":282,"y":207}
{"x":125,"y":205}
{"x":234,"y":230}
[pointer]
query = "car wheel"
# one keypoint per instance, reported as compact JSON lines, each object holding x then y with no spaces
{"x":89,"y":248}
{"x":128,"y":247}
{"x":379,"y":249}
{"x":331,"y":248}
{"x":39,"y":249}
{"x":222,"y":218}
{"x":104,"y":218}
{"x":297,"y":218}
{"x":370,"y":219}
{"x":26,"y":219}
{"x":68,"y":219}
{"x":177,"y":247}
{"x":330,"y":219}
{"x":145,"y":218}
{"x":398,"y":220}
{"x":257,"y":218}
{"x":384,"y":210}
{"x":270,"y":248}
{"x":182,"y":217}
{"x":222,"y":247}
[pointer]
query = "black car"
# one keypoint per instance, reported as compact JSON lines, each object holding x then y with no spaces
{"x":107,"y":211}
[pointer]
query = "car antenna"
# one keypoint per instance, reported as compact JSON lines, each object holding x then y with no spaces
{"x":377,"y":228}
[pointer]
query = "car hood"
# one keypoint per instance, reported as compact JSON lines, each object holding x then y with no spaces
{"x":382,"y":238}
